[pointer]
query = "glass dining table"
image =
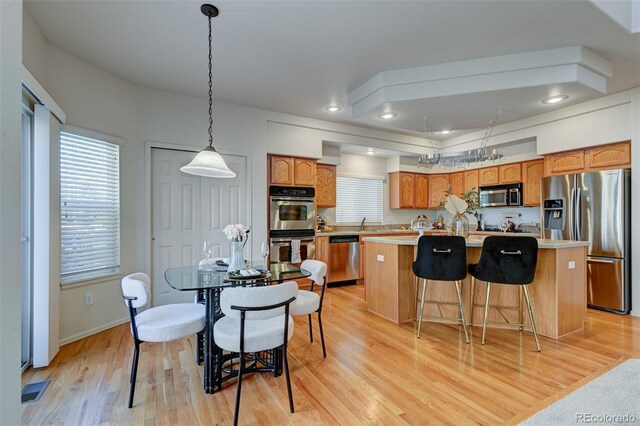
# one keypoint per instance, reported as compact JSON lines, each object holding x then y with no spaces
{"x":208,"y":281}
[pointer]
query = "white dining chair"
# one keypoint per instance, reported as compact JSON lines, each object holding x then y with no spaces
{"x":256,"y":319}
{"x":309,"y":302}
{"x":158,"y":324}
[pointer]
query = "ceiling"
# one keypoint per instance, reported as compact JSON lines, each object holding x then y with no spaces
{"x":299,"y":56}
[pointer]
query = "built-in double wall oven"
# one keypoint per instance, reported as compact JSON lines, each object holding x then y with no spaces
{"x":292,"y":214}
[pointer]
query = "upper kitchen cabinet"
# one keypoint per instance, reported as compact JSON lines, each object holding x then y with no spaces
{"x":304,"y":172}
{"x":614,"y":156}
{"x":564,"y":162}
{"x":421,"y":184}
{"x":291,"y":171}
{"x":489,"y":176}
{"x":471,"y":181}
{"x":325,"y":185}
{"x":510,"y":173}
{"x":532,"y":171}
{"x":401,"y":190}
{"x":438,"y":186}
{"x":456,"y":183}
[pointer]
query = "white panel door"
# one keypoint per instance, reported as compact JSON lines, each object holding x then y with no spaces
{"x":188,"y":210}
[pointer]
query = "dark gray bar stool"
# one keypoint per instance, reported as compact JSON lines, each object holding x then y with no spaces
{"x":511,"y":261}
{"x":442,"y":259}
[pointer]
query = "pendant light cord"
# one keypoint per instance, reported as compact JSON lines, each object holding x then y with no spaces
{"x":210,"y":89}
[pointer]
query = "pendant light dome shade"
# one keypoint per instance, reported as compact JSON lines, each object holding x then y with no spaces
{"x":208,"y":163}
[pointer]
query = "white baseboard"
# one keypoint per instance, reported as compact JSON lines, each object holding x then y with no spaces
{"x":94,"y":330}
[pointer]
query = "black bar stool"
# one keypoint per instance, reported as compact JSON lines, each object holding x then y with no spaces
{"x":506,"y":260}
{"x":441,"y":259}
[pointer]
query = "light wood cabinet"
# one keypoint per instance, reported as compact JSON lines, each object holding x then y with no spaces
{"x":281,"y":170}
{"x":532,"y":171}
{"x":325,"y":185}
{"x":421,"y":183}
{"x":564,"y":162}
{"x":438,"y":185}
{"x":401,"y":190}
{"x":456,"y":183}
{"x":322,"y":251}
{"x":612,"y":156}
{"x":304,"y":172}
{"x":510,"y":173}
{"x":489,"y":176}
{"x":471,"y":181}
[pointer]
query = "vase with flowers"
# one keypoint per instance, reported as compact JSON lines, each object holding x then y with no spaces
{"x":237,"y":234}
{"x":459,"y":207}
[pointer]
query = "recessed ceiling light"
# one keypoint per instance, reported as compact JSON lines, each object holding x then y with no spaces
{"x":370,"y":151}
{"x":333,"y":108}
{"x":444,"y":132}
{"x":387,"y":115}
{"x":554,"y":99}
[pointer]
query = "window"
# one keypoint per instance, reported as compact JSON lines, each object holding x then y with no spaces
{"x":89,"y":207}
{"x":358,"y":198}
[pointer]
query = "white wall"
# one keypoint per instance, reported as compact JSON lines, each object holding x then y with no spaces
{"x":10,"y":210}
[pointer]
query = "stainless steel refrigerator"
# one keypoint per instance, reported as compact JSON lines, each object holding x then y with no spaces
{"x":594,"y":207}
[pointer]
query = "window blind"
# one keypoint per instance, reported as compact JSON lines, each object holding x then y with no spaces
{"x":357,"y":198}
{"x":89,"y":206}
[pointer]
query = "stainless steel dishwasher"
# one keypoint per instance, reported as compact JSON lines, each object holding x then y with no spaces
{"x":344,"y":258}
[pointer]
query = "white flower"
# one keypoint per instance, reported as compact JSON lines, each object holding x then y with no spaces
{"x":236,"y":232}
{"x":455,"y":205}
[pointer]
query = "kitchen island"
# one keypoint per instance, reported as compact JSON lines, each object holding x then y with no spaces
{"x":558,"y":292}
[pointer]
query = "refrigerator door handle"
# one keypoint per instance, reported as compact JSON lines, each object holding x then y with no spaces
{"x":572,"y":225}
{"x":578,"y":214}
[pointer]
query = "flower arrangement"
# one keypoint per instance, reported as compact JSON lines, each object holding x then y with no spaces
{"x":236,"y":231}
{"x":468,"y":203}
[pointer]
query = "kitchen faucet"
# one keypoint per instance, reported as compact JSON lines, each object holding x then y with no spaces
{"x":362,"y":223}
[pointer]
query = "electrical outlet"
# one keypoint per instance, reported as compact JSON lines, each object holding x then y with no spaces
{"x":572,"y":264}
{"x":88,"y":299}
{"x":380,"y":258}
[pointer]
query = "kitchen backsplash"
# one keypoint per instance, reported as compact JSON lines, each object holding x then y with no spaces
{"x":491,"y":216}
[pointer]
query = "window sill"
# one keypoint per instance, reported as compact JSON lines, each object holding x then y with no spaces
{"x":83,"y":282}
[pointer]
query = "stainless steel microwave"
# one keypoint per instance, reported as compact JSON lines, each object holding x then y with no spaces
{"x":501,"y":195}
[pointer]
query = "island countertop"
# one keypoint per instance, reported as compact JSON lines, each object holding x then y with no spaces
{"x":476,"y":241}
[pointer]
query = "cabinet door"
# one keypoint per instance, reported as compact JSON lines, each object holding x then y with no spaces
{"x":609,"y":156}
{"x":422,"y":191}
{"x":489,"y":176}
{"x":510,"y":173}
{"x":281,"y":170}
{"x":532,"y":171}
{"x":304,"y":172}
{"x":471,"y":180}
{"x":563,"y":163}
{"x":322,"y":251}
{"x":407,"y":190}
{"x":325,"y":185}
{"x":438,"y":185}
{"x":456,"y":183}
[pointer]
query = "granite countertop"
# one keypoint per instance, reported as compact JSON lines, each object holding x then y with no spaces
{"x":366,"y":232}
{"x":476,"y":241}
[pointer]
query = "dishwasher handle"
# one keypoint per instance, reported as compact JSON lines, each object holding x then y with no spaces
{"x":344,"y":239}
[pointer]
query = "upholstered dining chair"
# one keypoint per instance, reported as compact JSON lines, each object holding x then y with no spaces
{"x":309,"y":301}
{"x":510,"y":261}
{"x":158,"y":324}
{"x":441,"y":258}
{"x":256,"y":319}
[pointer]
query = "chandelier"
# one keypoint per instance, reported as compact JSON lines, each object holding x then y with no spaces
{"x":460,"y":158}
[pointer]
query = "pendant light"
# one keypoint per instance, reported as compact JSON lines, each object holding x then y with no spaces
{"x":208,"y":162}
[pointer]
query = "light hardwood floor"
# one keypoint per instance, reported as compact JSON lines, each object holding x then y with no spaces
{"x":375,"y":372}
